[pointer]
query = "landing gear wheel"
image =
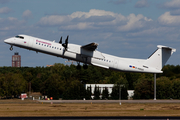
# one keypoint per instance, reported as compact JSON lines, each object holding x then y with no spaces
{"x":85,"y":66}
{"x":78,"y":67}
{"x":11,"y":48}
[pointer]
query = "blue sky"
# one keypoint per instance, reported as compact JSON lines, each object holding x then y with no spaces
{"x":124,"y":28}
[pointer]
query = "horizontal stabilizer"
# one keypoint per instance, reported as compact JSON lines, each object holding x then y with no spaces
{"x":166,"y":47}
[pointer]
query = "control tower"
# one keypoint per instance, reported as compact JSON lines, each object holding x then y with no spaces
{"x":16,"y":60}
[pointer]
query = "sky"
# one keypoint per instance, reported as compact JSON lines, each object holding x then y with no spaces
{"x":124,"y":28}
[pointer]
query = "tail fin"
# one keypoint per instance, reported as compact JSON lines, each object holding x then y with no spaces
{"x":159,"y":57}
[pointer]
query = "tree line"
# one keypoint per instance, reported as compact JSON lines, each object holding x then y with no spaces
{"x":66,"y":82}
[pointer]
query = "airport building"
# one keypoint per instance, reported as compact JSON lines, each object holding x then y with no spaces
{"x":16,"y":60}
{"x":103,"y":86}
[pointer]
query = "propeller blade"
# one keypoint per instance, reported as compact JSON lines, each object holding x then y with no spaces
{"x":66,"y":43}
{"x":60,"y":40}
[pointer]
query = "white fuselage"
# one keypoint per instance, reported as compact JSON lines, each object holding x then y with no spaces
{"x":76,"y":53}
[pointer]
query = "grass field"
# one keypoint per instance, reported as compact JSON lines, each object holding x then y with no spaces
{"x":11,"y":108}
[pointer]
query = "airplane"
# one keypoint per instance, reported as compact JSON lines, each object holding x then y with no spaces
{"x":88,"y":54}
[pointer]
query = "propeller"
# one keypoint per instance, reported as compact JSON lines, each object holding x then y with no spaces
{"x":60,"y":42}
{"x":66,"y":43}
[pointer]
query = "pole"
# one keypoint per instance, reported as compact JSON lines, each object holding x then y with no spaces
{"x":119,"y":94}
{"x":154,"y":86}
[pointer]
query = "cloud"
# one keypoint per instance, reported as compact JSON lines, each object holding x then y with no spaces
{"x":27,"y":14}
{"x":95,"y":19}
{"x":168,"y":19}
{"x":134,"y":22}
{"x":5,"y":10}
{"x":153,"y":33}
{"x":11,"y":26}
{"x":141,"y":4}
{"x":54,"y":20}
{"x":92,"y":12}
{"x":173,"y":4}
{"x":79,"y":26}
{"x":91,"y":18}
{"x":117,"y":2}
{"x":116,"y":34}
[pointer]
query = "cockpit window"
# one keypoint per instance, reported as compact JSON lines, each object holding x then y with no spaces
{"x":20,"y":37}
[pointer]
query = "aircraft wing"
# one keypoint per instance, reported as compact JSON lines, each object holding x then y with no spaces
{"x":90,"y":47}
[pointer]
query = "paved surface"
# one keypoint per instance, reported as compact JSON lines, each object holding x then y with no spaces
{"x":91,"y":118}
{"x":110,"y":101}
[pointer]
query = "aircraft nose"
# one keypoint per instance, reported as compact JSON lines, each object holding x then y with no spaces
{"x":8,"y":41}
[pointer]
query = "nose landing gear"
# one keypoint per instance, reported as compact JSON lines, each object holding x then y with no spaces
{"x":11,"y":48}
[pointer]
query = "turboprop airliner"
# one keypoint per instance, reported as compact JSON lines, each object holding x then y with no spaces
{"x":88,"y":54}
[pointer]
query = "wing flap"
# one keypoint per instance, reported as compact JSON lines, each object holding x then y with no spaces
{"x":100,"y":65}
{"x":90,"y":47}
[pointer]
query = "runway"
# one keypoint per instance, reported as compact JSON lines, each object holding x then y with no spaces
{"x":89,"y":109}
{"x":109,"y":101}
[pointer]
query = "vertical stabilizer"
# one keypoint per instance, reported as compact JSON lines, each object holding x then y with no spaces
{"x":158,"y":59}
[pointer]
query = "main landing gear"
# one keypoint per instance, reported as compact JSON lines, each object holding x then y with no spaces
{"x":11,"y":48}
{"x":78,"y":66}
{"x":85,"y":66}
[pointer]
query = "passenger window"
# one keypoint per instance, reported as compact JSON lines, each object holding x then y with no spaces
{"x":42,"y":44}
{"x":39,"y":43}
{"x":52,"y":46}
{"x":55,"y":47}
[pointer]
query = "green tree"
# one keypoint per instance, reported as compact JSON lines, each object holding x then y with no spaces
{"x":53,"y":86}
{"x":176,"y":88}
{"x":164,"y":88}
{"x":115,"y":92}
{"x":124,"y":93}
{"x":74,"y":91}
{"x":144,"y":88}
{"x":115,"y":95}
{"x":132,"y":78}
{"x":105,"y":93}
{"x":88,"y":93}
{"x":13,"y":84}
{"x":2,"y":78}
{"x":96,"y":93}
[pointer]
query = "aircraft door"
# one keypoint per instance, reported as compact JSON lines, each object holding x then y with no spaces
{"x":30,"y":42}
{"x":116,"y":63}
